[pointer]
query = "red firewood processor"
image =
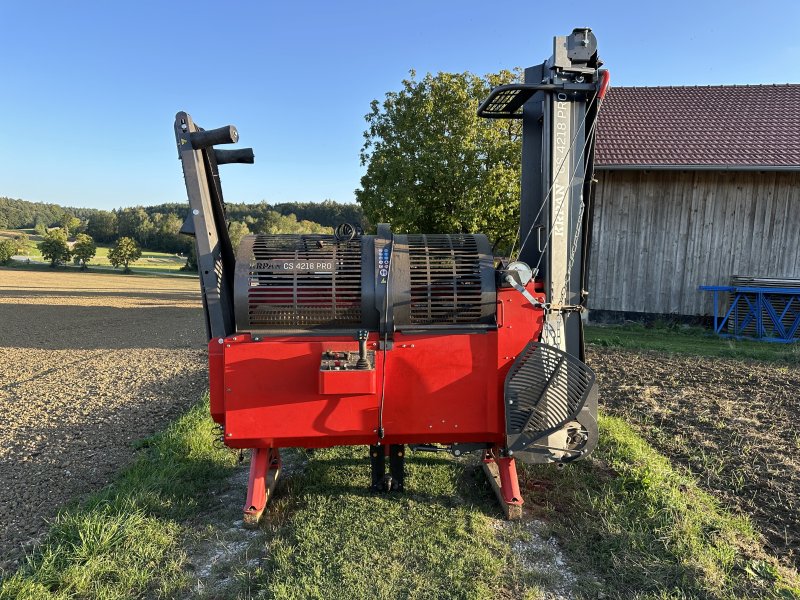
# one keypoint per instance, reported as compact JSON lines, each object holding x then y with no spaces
{"x":421,"y":340}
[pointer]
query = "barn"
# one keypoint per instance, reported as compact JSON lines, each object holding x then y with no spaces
{"x":696,"y":186}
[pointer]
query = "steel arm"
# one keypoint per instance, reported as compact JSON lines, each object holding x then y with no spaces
{"x":206,"y":220}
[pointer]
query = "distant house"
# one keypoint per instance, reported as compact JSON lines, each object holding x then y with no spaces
{"x":696,"y":185}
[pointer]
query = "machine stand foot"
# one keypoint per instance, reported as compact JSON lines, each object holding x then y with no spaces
{"x":397,"y":467}
{"x":394,"y":480}
{"x":377,"y":466}
{"x":265,"y":466}
{"x":502,"y":474}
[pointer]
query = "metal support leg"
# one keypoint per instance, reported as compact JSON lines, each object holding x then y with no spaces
{"x":265,"y":466}
{"x":377,"y":464}
{"x":502,"y":474}
{"x":397,"y":461}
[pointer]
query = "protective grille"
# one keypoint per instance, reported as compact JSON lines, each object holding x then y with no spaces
{"x":329,"y":296}
{"x":445,"y":276}
{"x":545,"y":389}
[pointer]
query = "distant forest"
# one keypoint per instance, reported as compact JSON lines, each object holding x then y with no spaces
{"x":157,"y":227}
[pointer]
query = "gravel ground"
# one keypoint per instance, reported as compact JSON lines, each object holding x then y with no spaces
{"x":89,"y":364}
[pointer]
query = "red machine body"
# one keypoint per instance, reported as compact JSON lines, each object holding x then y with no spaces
{"x":398,"y":340}
{"x":436,"y":388}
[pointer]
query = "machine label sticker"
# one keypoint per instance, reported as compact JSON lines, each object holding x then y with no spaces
{"x":294,"y":266}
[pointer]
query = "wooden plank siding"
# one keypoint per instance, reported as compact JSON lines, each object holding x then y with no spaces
{"x":659,"y":234}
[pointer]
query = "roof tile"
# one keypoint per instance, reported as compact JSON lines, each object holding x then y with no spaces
{"x":710,"y":126}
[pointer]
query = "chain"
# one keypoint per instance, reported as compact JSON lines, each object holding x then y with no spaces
{"x":572,"y":252}
{"x":554,"y":329}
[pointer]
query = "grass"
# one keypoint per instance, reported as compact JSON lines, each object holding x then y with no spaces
{"x":332,"y":538}
{"x":688,"y":340}
{"x":150,"y":262}
{"x":124,"y":541}
{"x":642,"y":529}
{"x":631,"y":525}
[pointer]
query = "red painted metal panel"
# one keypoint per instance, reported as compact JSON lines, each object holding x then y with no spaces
{"x":216,"y":368}
{"x":347,"y":383}
{"x":439,"y":387}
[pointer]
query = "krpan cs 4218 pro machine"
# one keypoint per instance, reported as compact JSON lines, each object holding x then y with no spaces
{"x":412,"y":340}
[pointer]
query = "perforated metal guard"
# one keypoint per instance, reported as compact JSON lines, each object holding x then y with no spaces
{"x":297,"y":298}
{"x":505,"y":101}
{"x":545,"y":389}
{"x":445,"y":279}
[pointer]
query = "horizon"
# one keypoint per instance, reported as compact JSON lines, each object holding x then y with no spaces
{"x":180,"y":202}
{"x":120,"y":72}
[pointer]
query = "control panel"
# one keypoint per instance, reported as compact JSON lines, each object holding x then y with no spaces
{"x":335,"y":360}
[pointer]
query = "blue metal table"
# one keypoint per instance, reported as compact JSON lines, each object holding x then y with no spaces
{"x":771,"y":314}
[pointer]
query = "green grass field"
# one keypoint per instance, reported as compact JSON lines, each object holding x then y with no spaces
{"x":688,"y":340}
{"x":632,"y":527}
{"x":150,"y":262}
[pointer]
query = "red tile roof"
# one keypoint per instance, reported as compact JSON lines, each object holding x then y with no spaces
{"x":725,"y":127}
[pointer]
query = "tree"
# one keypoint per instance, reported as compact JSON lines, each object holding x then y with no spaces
{"x":54,"y":247}
{"x":84,"y":249}
{"x":7,"y":249}
{"x":124,"y":252}
{"x":135,"y":223}
{"x":69,"y":223}
{"x":191,"y":260}
{"x":102,"y":226}
{"x":434,"y":166}
{"x":23,"y":243}
{"x":237,"y":230}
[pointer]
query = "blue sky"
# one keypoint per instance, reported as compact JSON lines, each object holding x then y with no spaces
{"x":90,"y":89}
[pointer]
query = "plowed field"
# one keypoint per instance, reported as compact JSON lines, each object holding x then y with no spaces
{"x":89,"y":365}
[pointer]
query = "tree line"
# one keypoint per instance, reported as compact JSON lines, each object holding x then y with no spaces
{"x":432,"y":165}
{"x":157,"y":228}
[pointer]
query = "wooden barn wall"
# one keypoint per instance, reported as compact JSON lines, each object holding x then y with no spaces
{"x":658,"y":235}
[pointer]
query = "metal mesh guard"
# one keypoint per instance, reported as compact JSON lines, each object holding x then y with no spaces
{"x":298,"y":281}
{"x":545,"y":389}
{"x":505,"y":101}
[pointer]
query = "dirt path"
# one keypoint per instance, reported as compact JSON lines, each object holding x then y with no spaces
{"x":732,"y":423}
{"x":89,"y":364}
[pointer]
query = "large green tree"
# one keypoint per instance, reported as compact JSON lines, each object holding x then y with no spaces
{"x":70,"y":223}
{"x":124,"y":252}
{"x":136,"y":223}
{"x":434,"y":166}
{"x":54,"y":247}
{"x":8,"y":248}
{"x":84,"y":249}
{"x":102,"y":226}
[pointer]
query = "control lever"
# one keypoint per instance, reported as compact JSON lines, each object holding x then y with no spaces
{"x":522,"y":274}
{"x":362,"y":362}
{"x":528,"y":296}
